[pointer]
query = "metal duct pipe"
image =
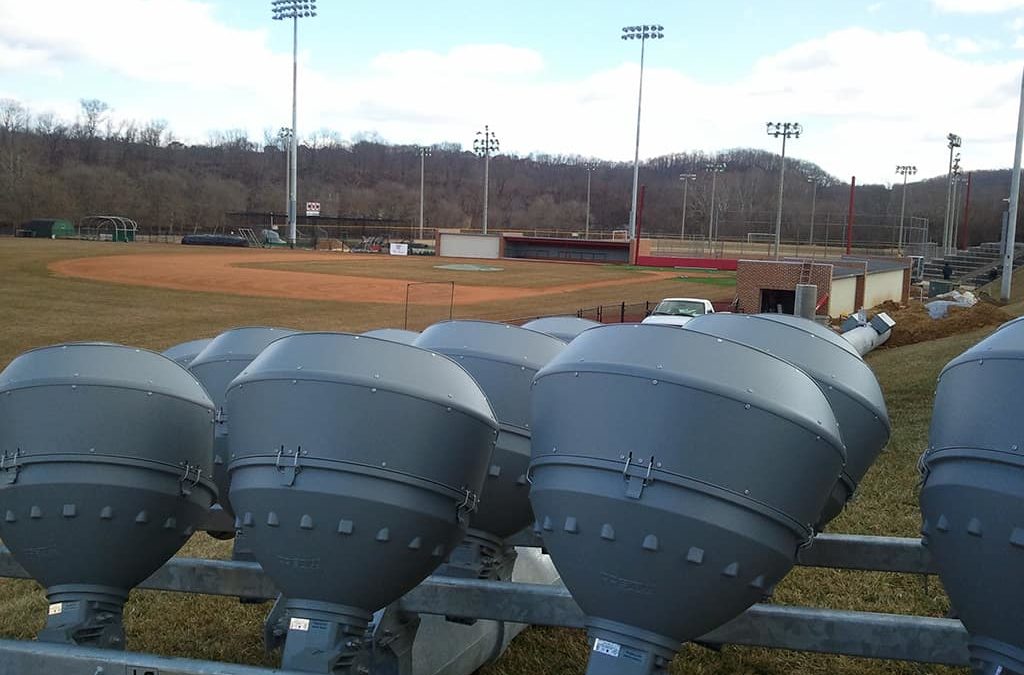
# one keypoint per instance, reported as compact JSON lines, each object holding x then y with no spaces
{"x":806,"y":301}
{"x":867,"y":336}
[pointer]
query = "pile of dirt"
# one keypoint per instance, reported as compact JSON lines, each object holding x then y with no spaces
{"x":914,"y":325}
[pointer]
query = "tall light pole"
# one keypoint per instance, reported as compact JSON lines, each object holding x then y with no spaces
{"x":714,"y":168}
{"x":284,"y":136}
{"x":642,"y":33}
{"x":958,"y":180}
{"x":1009,"y":242}
{"x":815,"y":182}
{"x":904,"y":170}
{"x":590,"y":170}
{"x":686,"y":179}
{"x":294,"y":10}
{"x":954,"y":141}
{"x":424,"y":153}
{"x":485,"y":144}
{"x":785,"y":130}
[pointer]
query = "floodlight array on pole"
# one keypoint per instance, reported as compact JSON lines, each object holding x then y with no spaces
{"x":424,"y":153}
{"x":816,"y":182}
{"x":590,"y":171}
{"x":485,"y":144}
{"x":784,"y":130}
{"x":282,"y":10}
{"x":904,"y":170}
{"x":714,"y":168}
{"x":643,"y":34}
{"x":685,"y":179}
{"x":953,"y":141}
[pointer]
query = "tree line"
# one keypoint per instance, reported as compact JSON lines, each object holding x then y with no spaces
{"x":99,"y":164}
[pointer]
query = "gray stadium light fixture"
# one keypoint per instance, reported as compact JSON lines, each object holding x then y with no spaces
{"x":565,"y":328}
{"x":183,"y":353}
{"x":224,"y":358}
{"x":356,"y":465}
{"x":503,"y":359}
{"x":674,"y":477}
{"x":105,"y":472}
{"x":406,"y":337}
{"x":846,"y":380}
{"x":972,"y":497}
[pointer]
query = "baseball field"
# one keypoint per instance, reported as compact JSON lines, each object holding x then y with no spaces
{"x":157,"y":295}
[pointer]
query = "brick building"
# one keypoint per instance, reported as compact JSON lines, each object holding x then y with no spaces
{"x":844,"y":285}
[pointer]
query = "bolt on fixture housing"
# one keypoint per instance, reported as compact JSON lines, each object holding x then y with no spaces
{"x":841,"y":373}
{"x":356,"y":464}
{"x":220,"y":362}
{"x":972,"y":496}
{"x":503,"y":359}
{"x":141,"y":485}
{"x":675,"y":475}
{"x":185,"y":352}
{"x":565,"y":328}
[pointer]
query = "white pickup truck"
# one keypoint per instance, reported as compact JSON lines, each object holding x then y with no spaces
{"x":677,"y":311}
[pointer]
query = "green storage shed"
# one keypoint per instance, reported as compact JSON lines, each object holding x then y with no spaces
{"x":47,"y":228}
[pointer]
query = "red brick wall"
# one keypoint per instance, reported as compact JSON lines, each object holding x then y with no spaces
{"x":754,"y":275}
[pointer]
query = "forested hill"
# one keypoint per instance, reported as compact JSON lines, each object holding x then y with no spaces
{"x":51,"y":167}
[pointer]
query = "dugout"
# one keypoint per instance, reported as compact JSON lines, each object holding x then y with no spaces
{"x":572,"y":250}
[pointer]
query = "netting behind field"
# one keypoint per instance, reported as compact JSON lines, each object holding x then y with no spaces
{"x":428,"y":302}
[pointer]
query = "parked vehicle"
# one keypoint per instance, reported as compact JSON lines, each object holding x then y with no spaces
{"x":677,"y":311}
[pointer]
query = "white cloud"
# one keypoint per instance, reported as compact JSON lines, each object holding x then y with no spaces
{"x":874,"y":7}
{"x":965,"y":45}
{"x":868,"y":100}
{"x":977,"y":6}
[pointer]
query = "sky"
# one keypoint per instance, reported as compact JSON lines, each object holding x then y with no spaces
{"x":874,"y":83}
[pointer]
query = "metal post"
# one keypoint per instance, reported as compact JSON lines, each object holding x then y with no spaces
{"x":711,"y":214}
{"x":682,"y":226}
{"x":965,"y":239}
{"x":293,"y":185}
{"x":686,"y":179}
{"x":487,"y":185}
{"x":714,"y":168}
{"x":281,"y":10}
{"x":905,"y":170}
{"x":1011,"y":229}
{"x":642,"y":33}
{"x":814,"y":199}
{"x":903,"y":210}
{"x":785,"y":130}
{"x":636,"y":150}
{"x":486,"y":143}
{"x":849,"y":216}
{"x":778,"y":212}
{"x":957,"y":193}
{"x":423,"y":163}
{"x":947,"y":229}
{"x":586,"y":232}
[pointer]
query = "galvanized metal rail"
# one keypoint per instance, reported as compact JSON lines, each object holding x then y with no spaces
{"x":862,"y":634}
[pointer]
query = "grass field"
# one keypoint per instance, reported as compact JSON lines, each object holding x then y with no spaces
{"x":40,"y":308}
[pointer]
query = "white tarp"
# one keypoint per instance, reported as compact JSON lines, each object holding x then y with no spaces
{"x":939,"y":307}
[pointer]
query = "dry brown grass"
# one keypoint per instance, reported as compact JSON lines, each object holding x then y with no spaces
{"x":40,"y":309}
